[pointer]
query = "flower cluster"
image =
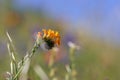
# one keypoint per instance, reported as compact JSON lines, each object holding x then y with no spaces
{"x":49,"y":37}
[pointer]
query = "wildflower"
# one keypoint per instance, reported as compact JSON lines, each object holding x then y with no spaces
{"x":73,"y":45}
{"x":49,"y":38}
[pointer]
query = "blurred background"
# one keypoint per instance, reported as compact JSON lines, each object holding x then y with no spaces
{"x":92,"y":24}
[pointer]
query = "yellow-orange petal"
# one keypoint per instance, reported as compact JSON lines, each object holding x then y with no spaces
{"x":56,"y":33}
{"x":44,"y":32}
{"x":48,"y":34}
{"x":57,"y":41}
{"x":52,"y":34}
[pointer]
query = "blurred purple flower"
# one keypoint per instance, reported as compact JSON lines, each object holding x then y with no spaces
{"x":69,"y":37}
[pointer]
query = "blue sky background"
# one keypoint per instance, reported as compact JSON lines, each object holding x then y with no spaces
{"x":101,"y":16}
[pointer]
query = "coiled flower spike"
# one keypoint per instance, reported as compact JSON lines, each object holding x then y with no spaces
{"x":49,"y":37}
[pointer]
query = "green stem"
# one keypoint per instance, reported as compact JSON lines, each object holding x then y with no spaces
{"x":22,"y":62}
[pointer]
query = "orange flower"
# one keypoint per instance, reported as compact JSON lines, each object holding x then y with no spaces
{"x":50,"y":37}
